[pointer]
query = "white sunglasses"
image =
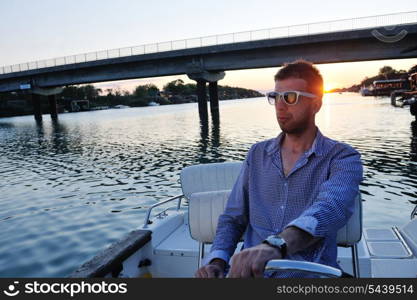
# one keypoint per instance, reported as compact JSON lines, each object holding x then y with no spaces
{"x":289,"y":97}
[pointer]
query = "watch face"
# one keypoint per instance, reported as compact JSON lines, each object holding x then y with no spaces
{"x":275,"y":241}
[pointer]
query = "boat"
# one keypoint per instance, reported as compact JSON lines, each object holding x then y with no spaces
{"x":386,"y":87}
{"x":402,"y":98}
{"x":103,"y":107}
{"x":153,"y":103}
{"x":121,"y":106}
{"x":177,"y":232}
{"x":77,"y":105}
{"x":366,"y":91}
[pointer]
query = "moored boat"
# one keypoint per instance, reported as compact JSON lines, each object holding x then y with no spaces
{"x":366,"y":92}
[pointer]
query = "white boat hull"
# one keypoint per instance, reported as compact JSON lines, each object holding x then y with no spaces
{"x":173,"y":253}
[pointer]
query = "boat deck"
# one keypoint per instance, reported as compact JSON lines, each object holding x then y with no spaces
{"x":177,"y":255}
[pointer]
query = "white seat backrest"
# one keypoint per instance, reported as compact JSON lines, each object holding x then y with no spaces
{"x":351,"y":233}
{"x":209,"y":177}
{"x":206,"y":203}
{"x":204,"y":211}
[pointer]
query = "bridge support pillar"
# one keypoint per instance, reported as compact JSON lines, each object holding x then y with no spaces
{"x":211,"y":77}
{"x":37,"y":110}
{"x":202,"y":100}
{"x":214,"y":101}
{"x":50,"y":93}
{"x":53,"y":107}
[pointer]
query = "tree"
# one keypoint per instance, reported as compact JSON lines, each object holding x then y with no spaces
{"x":190,"y":89}
{"x":385,"y":71}
{"x":71,"y":92}
{"x":153,"y":90}
{"x":175,"y":87}
{"x":89,"y":92}
{"x":413,"y":69}
{"x":147,"y":90}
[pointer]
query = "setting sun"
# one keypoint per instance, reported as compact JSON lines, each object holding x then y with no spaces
{"x":329,"y":86}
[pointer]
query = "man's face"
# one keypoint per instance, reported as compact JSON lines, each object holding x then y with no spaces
{"x":295,"y":119}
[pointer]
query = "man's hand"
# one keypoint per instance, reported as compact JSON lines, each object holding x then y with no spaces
{"x":215,"y":269}
{"x":251,"y":262}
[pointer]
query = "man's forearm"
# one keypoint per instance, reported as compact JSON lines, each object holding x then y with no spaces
{"x":297,"y":239}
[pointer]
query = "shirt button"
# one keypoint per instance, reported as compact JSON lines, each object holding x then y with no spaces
{"x":282,"y":207}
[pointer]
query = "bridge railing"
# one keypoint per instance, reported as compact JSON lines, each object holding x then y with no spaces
{"x":229,"y":38}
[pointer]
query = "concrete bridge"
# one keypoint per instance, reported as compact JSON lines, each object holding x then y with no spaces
{"x":205,"y":59}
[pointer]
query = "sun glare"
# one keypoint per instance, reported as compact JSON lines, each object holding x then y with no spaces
{"x":328,"y":87}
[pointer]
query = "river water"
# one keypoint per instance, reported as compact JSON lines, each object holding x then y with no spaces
{"x":70,"y":188}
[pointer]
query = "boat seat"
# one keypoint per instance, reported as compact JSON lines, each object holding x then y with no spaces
{"x":409,"y":233}
{"x":206,"y":204}
{"x":209,"y":177}
{"x":394,"y":268}
{"x":214,"y":177}
{"x":351,"y":233}
{"x":385,"y":243}
{"x":204,"y":211}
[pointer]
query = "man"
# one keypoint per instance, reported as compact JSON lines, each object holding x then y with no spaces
{"x":293,"y":193}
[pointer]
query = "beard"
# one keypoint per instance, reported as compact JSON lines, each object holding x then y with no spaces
{"x":295,"y":127}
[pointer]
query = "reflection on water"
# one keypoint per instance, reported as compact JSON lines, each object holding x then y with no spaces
{"x":71,"y":187}
{"x":413,"y":150}
{"x":209,"y":142}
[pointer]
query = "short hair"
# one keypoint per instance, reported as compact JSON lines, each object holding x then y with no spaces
{"x":304,"y":70}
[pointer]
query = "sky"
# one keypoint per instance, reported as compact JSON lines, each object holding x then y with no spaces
{"x":42,"y":29}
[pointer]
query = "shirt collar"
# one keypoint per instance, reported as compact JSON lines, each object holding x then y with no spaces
{"x":316,"y":147}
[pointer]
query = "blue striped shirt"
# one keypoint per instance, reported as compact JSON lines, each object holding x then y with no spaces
{"x":317,"y":196}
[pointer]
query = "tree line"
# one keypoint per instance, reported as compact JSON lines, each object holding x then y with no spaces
{"x":174,"y":92}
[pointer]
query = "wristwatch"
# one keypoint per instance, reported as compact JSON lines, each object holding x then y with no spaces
{"x":277,"y":242}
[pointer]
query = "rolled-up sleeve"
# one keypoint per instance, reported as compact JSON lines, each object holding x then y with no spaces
{"x":335,"y":201}
{"x":233,"y":222}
